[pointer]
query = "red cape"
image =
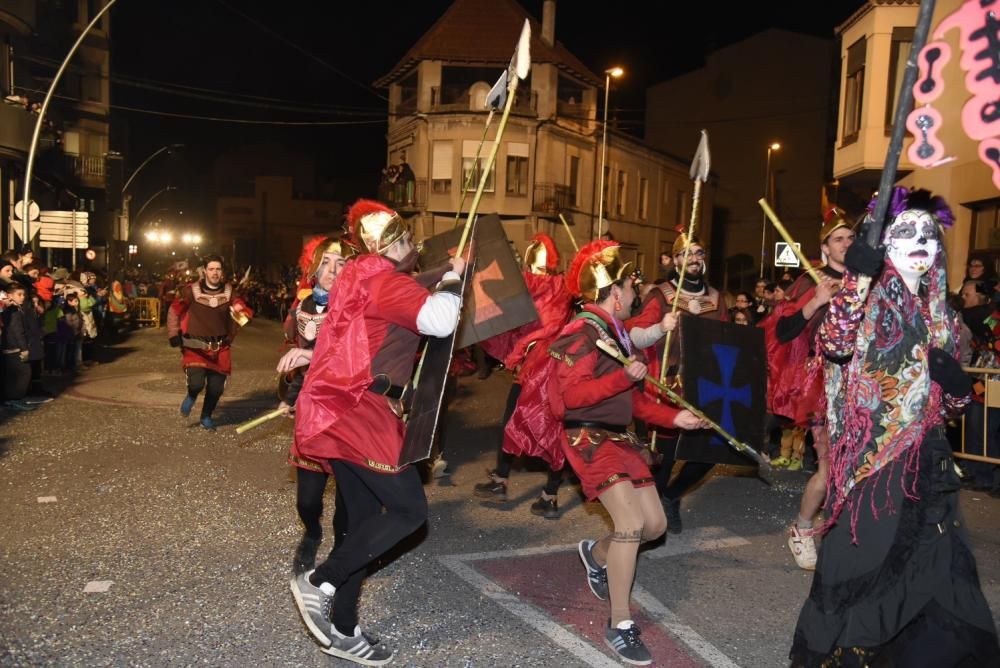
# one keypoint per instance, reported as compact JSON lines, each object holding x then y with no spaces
{"x":341,"y":365}
{"x":552,"y":302}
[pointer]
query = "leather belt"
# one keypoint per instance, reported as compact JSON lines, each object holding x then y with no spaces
{"x":198,"y":343}
{"x":382,"y":385}
{"x":586,"y":424}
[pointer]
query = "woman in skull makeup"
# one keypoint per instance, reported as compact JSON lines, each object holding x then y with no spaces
{"x":896,"y":583}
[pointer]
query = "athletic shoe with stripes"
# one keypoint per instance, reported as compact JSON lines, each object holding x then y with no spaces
{"x":357,"y":648}
{"x":625,"y":641}
{"x":597,"y":576}
{"x":315,"y":604}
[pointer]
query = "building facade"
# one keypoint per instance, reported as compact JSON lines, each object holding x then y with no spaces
{"x":71,"y":159}
{"x":773,"y":87}
{"x":549,"y":156}
{"x":266,"y":228}
{"x":874,"y":45}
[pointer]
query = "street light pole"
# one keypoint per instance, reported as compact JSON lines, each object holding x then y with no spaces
{"x":155,"y":195}
{"x":168,"y":147}
{"x":613,"y":72}
{"x":767,"y":187}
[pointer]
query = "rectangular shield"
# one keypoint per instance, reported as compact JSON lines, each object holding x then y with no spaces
{"x":724,"y":374}
{"x":496,"y":299}
{"x":422,"y":421}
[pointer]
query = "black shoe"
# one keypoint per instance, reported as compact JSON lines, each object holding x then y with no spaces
{"x":547,"y":508}
{"x":494,"y":490}
{"x":627,"y":644}
{"x":672,"y":508}
{"x":305,"y":555}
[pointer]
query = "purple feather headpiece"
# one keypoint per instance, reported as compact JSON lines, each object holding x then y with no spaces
{"x":904,"y":199}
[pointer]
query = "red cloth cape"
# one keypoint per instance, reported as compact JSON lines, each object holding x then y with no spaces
{"x":552,"y":302}
{"x":341,"y":365}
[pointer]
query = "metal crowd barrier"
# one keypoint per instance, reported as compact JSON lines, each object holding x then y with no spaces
{"x":146,"y":310}
{"x":990,"y":379}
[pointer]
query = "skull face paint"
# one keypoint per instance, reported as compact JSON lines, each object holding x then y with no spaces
{"x":912,"y":242}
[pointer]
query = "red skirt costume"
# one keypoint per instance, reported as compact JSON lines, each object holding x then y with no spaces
{"x":583,"y":397}
{"x":370,"y":330}
{"x":203,"y":314}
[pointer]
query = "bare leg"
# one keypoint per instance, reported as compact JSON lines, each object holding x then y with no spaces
{"x":815,"y":492}
{"x":637,"y":515}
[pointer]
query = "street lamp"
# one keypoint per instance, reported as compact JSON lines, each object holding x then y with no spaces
{"x":155,"y":195}
{"x":767,"y":187}
{"x":615,"y":72}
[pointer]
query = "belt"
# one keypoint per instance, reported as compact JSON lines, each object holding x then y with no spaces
{"x":586,"y":424}
{"x":198,"y":343}
{"x":382,"y":385}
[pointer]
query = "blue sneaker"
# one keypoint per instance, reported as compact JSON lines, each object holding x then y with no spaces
{"x":208,"y":423}
{"x":187,"y":405}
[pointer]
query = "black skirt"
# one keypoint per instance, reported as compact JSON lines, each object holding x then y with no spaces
{"x":907,"y":592}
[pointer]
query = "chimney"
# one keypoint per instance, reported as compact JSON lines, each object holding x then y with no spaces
{"x":549,"y":22}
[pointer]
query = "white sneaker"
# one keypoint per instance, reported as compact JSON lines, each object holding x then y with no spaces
{"x":803,"y":549}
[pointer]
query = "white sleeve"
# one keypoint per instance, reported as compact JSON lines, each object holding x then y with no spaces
{"x":439,"y":314}
{"x":644,"y":337}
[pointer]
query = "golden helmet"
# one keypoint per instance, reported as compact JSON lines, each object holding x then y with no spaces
{"x":596,"y":266}
{"x":541,"y":256}
{"x":375,"y":226}
{"x":681,"y":241}
{"x":833,"y":219}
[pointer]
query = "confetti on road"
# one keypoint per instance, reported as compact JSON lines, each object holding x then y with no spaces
{"x":97,"y":586}
{"x":46,"y":499}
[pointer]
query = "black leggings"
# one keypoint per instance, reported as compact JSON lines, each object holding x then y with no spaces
{"x":505,"y":459}
{"x":310,"y":487}
{"x":370,"y":532}
{"x":690,"y":475}
{"x":214,"y":384}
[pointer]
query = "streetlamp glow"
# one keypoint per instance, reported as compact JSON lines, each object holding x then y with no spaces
{"x":166,"y":237}
{"x":186,"y":238}
{"x":773,"y":147}
{"x":196,"y":239}
{"x":615,"y":72}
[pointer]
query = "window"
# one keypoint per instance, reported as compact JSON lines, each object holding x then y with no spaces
{"x":407,"y":95}
{"x":517,"y":168}
{"x":643,"y":198}
{"x":71,"y":142}
{"x":902,"y":40}
{"x":622,"y":192}
{"x":441,"y":169}
{"x":985,"y":226}
{"x":680,"y":209}
{"x":854,"y":91}
{"x":573,"y":180}
{"x":471,"y":166}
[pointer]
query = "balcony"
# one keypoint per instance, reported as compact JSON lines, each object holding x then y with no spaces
{"x":464,"y":98}
{"x":551,"y":198}
{"x":16,"y":127}
{"x":404,"y":196}
{"x":89,"y":169}
{"x":575,"y":112}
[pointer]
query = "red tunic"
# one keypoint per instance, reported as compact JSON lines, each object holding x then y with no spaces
{"x":658,"y":303}
{"x":203,"y":313}
{"x":370,"y":329}
{"x":586,"y":385}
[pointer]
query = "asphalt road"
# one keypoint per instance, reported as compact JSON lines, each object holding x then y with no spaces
{"x":190,"y":535}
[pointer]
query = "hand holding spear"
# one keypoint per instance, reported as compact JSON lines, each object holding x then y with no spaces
{"x":700,"y":167}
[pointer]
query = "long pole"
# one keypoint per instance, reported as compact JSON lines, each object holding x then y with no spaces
{"x":604,"y":156}
{"x":763,"y":222}
{"x":26,"y":224}
{"x":146,"y":162}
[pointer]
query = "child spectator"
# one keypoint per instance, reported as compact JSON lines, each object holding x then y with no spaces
{"x":70,"y":331}
{"x":15,"y":345}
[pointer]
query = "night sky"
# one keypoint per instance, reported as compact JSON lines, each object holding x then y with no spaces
{"x":251,"y":59}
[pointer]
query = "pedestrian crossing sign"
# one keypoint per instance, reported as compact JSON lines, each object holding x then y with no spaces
{"x":784,"y":256}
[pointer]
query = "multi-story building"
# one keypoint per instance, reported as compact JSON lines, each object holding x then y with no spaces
{"x":70,"y":168}
{"x":773,"y":87}
{"x":874,"y":45}
{"x":549,"y":157}
{"x":267,"y":226}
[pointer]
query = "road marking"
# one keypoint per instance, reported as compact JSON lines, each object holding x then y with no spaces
{"x":703,"y":539}
{"x":97,"y":586}
{"x":46,"y":499}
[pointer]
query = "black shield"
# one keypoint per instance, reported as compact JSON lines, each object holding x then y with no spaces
{"x":496,"y":299}
{"x":724,"y":374}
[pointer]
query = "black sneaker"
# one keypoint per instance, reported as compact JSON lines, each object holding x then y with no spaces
{"x":597,"y":576}
{"x":672,"y":508}
{"x":494,"y":490}
{"x":357,"y":648}
{"x":315,"y":606}
{"x":305,"y":555}
{"x":626,"y":643}
{"x":547,"y":508}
